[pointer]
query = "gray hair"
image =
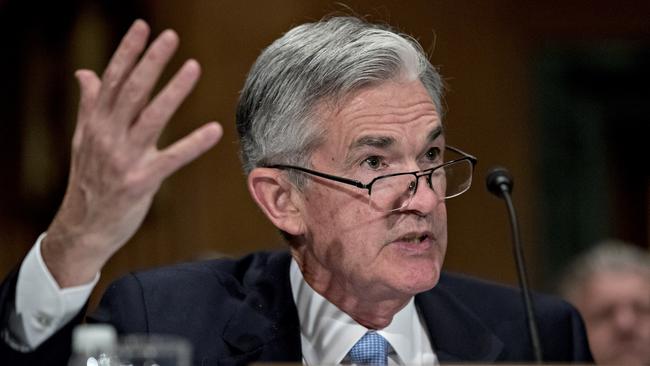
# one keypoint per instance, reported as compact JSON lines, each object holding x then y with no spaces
{"x":313,"y":65}
{"x":607,"y":256}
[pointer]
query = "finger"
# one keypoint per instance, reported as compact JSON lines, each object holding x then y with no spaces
{"x":186,"y":149}
{"x":136,"y":90}
{"x":89,"y":85}
{"x":122,"y":62}
{"x":156,"y":115}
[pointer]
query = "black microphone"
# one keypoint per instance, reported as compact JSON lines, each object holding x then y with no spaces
{"x":500,"y":183}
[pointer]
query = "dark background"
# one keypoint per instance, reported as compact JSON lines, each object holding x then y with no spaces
{"x":557,"y":91}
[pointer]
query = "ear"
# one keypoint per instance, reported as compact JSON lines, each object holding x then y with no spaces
{"x":278,"y":199}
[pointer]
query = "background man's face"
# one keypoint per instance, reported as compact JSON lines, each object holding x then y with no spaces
{"x":616,"y":309}
{"x":393,"y":127}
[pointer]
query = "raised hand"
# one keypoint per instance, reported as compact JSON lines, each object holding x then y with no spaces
{"x":116,"y":167}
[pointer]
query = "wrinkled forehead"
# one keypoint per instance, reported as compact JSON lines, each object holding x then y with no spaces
{"x":396,"y":111}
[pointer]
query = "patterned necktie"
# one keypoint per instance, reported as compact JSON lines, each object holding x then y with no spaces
{"x":371,"y":349}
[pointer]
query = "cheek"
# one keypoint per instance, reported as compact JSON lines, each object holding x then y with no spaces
{"x":599,"y":342}
{"x":440,"y":222}
{"x":337,"y":223}
{"x":333,"y":210}
{"x":600,"y":333}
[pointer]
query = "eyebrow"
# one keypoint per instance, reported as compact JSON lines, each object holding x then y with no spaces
{"x":380,"y":142}
{"x":435,"y":133}
{"x":384,"y":142}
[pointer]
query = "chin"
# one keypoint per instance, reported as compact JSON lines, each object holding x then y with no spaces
{"x":419,"y":279}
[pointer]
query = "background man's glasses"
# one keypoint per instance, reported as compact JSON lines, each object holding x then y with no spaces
{"x":395,"y":191}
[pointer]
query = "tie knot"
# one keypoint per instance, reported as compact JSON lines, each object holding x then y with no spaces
{"x":371,"y":349}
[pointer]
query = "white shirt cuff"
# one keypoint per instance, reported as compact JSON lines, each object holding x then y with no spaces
{"x":42,"y":307}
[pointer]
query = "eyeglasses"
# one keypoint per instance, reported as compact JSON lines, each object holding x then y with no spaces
{"x":392,"y":192}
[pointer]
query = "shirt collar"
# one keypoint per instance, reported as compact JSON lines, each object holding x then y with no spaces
{"x":328,"y":334}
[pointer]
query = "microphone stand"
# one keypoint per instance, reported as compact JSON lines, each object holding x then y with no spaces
{"x":500,"y":183}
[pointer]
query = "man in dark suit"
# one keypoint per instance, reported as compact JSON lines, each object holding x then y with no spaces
{"x":340,"y":124}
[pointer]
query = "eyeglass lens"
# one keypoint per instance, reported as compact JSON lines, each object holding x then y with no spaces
{"x":396,"y":192}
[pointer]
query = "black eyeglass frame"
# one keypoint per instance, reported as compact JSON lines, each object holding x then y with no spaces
{"x":418,"y":173}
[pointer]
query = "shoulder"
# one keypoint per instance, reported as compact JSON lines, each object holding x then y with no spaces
{"x":189,"y":288}
{"x":495,"y":298}
{"x":200,"y":301}
{"x":244,"y":271}
{"x":501,"y":309}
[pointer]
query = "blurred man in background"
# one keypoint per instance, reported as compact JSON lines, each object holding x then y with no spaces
{"x":610,"y":286}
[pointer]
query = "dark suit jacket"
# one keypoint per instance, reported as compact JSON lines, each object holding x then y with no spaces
{"x":242,"y":311}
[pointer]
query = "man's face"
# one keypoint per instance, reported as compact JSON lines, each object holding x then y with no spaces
{"x":616,"y":310}
{"x":351,"y":247}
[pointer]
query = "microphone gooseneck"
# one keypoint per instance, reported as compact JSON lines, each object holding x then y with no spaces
{"x":500,"y":183}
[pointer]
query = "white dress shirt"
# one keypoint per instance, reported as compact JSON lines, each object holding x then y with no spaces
{"x":41,"y":306}
{"x":327,"y":334}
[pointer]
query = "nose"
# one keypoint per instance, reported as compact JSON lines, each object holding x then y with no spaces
{"x":425,"y":199}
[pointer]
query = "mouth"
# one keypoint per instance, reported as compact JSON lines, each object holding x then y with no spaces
{"x":415,"y":242}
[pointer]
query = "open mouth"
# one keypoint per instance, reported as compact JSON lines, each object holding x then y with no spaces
{"x":415,"y":242}
{"x":413,"y":238}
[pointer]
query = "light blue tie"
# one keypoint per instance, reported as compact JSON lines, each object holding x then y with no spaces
{"x":371,"y":349}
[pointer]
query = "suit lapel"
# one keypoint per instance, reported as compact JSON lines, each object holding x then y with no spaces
{"x":457,"y":334}
{"x":265,"y":327}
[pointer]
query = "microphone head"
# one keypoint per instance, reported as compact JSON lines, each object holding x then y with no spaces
{"x":498,"y":181}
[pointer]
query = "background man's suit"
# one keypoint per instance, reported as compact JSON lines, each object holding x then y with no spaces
{"x":242,"y":311}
